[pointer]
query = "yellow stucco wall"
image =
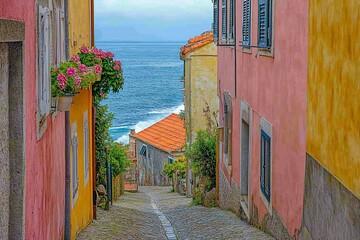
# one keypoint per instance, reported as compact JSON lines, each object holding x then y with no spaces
{"x":201,"y":87}
{"x":79,"y":35}
{"x":333,"y":115}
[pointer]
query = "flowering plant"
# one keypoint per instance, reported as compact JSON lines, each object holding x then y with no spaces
{"x":67,"y":79}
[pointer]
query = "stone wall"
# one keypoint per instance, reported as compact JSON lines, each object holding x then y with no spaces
{"x":331,"y":211}
{"x":229,"y":198}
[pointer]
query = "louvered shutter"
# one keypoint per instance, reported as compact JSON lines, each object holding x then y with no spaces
{"x":265,"y":164}
{"x":231,"y":20}
{"x":224,"y":20}
{"x":75,"y":177}
{"x":264,"y":24}
{"x":246,"y":22}
{"x":62,"y":33}
{"x":44,"y":61}
{"x":216,"y":20}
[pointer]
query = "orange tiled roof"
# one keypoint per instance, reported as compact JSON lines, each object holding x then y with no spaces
{"x":167,"y":134}
{"x":196,"y":43}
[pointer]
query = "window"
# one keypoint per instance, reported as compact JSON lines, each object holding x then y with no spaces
{"x":170,"y":160}
{"x":86,"y":148}
{"x":74,"y":158}
{"x":246,"y":25}
{"x":231,"y":20}
{"x":143,"y":150}
{"x":265,"y":164}
{"x":44,"y":47}
{"x":265,"y":24}
{"x":216,"y":20}
{"x":227,"y":127}
{"x":224,"y":20}
{"x":60,"y":36}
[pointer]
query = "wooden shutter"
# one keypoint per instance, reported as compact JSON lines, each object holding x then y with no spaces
{"x":231,"y":20}
{"x":44,"y":64}
{"x":224,"y":20}
{"x":74,"y":151}
{"x":86,"y":148}
{"x":265,"y":164}
{"x":216,"y":20}
{"x":246,"y":26}
{"x":264,"y":24}
{"x":60,"y":36}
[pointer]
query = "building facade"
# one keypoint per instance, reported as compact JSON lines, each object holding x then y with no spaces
{"x":262,"y":77}
{"x":200,"y":84}
{"x":80,"y":30}
{"x":332,"y":185}
{"x":156,"y":146}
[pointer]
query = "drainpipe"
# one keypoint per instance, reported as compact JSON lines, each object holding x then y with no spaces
{"x":67,"y":225}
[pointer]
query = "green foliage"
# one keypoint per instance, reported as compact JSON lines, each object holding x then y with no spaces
{"x":62,"y":83}
{"x":118,"y":154}
{"x":177,"y":167}
{"x":203,"y":157}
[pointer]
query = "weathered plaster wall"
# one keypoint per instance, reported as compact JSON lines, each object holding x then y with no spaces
{"x":151,"y":167}
{"x":79,"y":25}
{"x":331,"y":211}
{"x":275,"y":88}
{"x":44,"y":198}
{"x":333,"y":125}
{"x":202,"y":86}
{"x":82,"y":210}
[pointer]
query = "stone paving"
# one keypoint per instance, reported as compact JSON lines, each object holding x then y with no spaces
{"x":156,"y":213}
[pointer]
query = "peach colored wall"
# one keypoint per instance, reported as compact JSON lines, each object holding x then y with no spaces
{"x":275,"y":88}
{"x":45,"y":159}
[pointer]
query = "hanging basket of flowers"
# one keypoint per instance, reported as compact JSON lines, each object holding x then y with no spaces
{"x":66,"y":81}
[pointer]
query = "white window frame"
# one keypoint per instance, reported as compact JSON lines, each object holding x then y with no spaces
{"x":268,"y":129}
{"x":86,"y":148}
{"x":146,"y":151}
{"x":74,"y":164}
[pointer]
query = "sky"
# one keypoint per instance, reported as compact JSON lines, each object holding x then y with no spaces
{"x":151,"y":20}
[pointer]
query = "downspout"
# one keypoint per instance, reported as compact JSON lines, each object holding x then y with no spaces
{"x":235,"y":67}
{"x":67,"y":225}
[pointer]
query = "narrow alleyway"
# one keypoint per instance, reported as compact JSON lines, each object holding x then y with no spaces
{"x":156,"y":213}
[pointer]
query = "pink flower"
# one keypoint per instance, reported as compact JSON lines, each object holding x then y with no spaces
{"x":103,"y":55}
{"x":62,"y":85}
{"x":55,"y":69}
{"x":77,"y":80}
{"x":94,"y":50}
{"x":117,"y":62}
{"x":116,"y":67}
{"x":71,"y":72}
{"x":97,"y":69}
{"x":110,"y":54}
{"x":82,"y":68}
{"x":75,"y":58}
{"x":84,"y":49}
{"x":61,"y":78}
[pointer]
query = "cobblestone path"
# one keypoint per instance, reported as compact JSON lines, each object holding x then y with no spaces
{"x":156,"y":213}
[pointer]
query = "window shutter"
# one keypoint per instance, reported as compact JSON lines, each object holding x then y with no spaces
{"x":62,"y":33}
{"x":246,"y":22}
{"x":75,"y":179}
{"x":265,"y":164}
{"x":216,"y":20}
{"x":86,"y":147}
{"x":264,"y":24}
{"x":224,"y":20}
{"x":231,"y":20}
{"x":44,"y":61}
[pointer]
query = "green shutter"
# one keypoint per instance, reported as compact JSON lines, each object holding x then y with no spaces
{"x":216,"y":20}
{"x":231,"y":20}
{"x":264,"y":24}
{"x":224,"y":20}
{"x":246,"y":22}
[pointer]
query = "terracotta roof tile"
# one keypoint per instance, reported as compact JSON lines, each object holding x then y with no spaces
{"x":168,"y":134}
{"x":196,"y":43}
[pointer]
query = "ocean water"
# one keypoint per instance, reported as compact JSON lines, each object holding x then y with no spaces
{"x":152,"y":88}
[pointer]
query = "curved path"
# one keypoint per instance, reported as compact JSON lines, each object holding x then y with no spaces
{"x":156,"y":213}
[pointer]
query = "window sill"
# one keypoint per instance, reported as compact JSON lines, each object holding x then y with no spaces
{"x":268,"y":204}
{"x":247,"y":50}
{"x":266,"y":52}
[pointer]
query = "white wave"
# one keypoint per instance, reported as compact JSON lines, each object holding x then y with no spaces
{"x":168,"y":110}
{"x":160,"y":114}
{"x":113,"y":128}
{"x":169,"y":64}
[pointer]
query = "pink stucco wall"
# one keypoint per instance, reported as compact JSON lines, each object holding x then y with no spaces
{"x":275,"y":88}
{"x":45,"y":159}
